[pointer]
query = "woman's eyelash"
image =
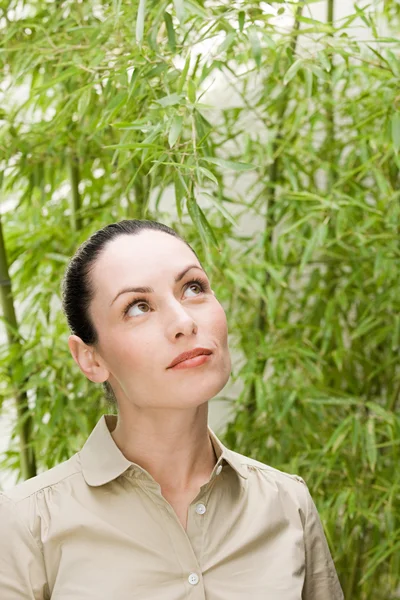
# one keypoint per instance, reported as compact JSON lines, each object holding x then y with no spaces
{"x":202,"y":283}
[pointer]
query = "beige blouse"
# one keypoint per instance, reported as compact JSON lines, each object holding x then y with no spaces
{"x":96,"y":527}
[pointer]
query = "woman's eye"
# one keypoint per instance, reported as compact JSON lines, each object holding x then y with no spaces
{"x":194,"y":284}
{"x":133,"y":305}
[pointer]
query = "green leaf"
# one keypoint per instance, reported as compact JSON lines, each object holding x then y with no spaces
{"x":140,"y":21}
{"x":292,"y":70}
{"x":182,"y":78}
{"x":57,"y":257}
{"x":170,"y":31}
{"x":191,"y":91}
{"x":339,"y":435}
{"x":180,"y":10}
{"x":208,"y":174}
{"x":317,"y":239}
{"x":393,"y":62}
{"x":196,"y":9}
{"x":175,"y":130}
{"x":396,"y":131}
{"x":133,"y":82}
{"x":170,"y":100}
{"x":227,"y":43}
{"x":220,"y":207}
{"x":255,"y":45}
{"x":181,"y":192}
{"x":199,"y":219}
{"x":241,"y":18}
{"x":326,"y":63}
{"x":84,"y":101}
{"x":229,"y":164}
{"x":370,"y":443}
{"x":379,"y":411}
{"x":66,"y":74}
{"x":318,"y":26}
{"x":308,"y":82}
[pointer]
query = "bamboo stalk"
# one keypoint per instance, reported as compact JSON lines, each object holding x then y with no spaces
{"x":141,"y":191}
{"x":274,"y":176}
{"x":74,"y":176}
{"x":25,"y":424}
{"x":330,"y":130}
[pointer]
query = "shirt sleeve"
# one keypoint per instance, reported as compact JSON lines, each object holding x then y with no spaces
{"x":321,"y":580}
{"x":22,"y":570}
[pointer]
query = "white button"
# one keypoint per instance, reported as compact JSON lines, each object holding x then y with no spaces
{"x":200,"y":509}
{"x":219,"y":469}
{"x":193,"y":578}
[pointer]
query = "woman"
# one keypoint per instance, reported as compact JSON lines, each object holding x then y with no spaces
{"x":154,"y":506}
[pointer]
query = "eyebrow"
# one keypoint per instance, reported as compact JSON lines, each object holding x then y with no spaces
{"x":150,"y":290}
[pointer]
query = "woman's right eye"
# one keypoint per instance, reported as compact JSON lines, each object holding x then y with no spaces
{"x":138,"y":302}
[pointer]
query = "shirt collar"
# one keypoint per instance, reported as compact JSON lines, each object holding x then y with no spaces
{"x":102,"y":461}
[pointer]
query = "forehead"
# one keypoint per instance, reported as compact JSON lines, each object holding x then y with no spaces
{"x":139,"y":259}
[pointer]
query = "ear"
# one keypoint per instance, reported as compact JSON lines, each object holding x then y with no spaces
{"x":87,"y":360}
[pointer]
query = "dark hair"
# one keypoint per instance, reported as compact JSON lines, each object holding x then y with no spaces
{"x":77,"y":291}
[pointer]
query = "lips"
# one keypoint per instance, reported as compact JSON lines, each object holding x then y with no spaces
{"x":189,"y":354}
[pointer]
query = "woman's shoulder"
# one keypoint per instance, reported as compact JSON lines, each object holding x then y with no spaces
{"x":21,"y":506}
{"x":25,"y":489}
{"x":290,"y":482}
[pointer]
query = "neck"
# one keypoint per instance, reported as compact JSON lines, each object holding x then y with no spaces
{"x":173,"y":446}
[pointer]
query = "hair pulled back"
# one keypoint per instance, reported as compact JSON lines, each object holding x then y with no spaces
{"x":77,"y":289}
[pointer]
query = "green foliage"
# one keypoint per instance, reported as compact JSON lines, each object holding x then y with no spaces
{"x":111,"y":110}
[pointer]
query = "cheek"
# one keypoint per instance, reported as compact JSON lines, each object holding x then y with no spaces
{"x":123,"y":352}
{"x":218,"y":323}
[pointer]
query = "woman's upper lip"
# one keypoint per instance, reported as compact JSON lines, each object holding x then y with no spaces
{"x":189,"y":354}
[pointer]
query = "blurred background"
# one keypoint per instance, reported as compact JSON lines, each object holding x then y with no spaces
{"x":267,"y":135}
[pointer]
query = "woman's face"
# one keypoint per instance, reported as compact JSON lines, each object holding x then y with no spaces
{"x":139,"y":334}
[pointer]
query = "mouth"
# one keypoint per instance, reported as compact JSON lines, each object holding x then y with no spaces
{"x":196,"y":361}
{"x":185,"y":357}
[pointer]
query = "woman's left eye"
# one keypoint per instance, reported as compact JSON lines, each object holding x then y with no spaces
{"x":196,"y":282}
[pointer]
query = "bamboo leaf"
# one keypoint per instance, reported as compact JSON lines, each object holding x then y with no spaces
{"x":200,"y":220}
{"x":182,"y":79}
{"x":339,"y":435}
{"x":293,"y":69}
{"x":181,"y":192}
{"x":227,"y":43}
{"x":229,"y":164}
{"x":220,"y":207}
{"x":66,"y":74}
{"x":175,"y":130}
{"x":191,"y":91}
{"x":394,"y":62}
{"x":140,"y":21}
{"x":180,"y":10}
{"x":255,"y":45}
{"x":170,"y":100}
{"x":370,"y":443}
{"x":208,"y":174}
{"x":241,"y":19}
{"x":170,"y":31}
{"x":324,"y":60}
{"x":396,"y":130}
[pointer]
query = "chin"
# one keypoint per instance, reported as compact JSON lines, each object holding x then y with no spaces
{"x":207,"y":386}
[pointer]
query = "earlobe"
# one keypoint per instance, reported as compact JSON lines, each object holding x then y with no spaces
{"x":87,"y":360}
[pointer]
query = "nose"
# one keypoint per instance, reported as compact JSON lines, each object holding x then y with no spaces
{"x":179,"y":321}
